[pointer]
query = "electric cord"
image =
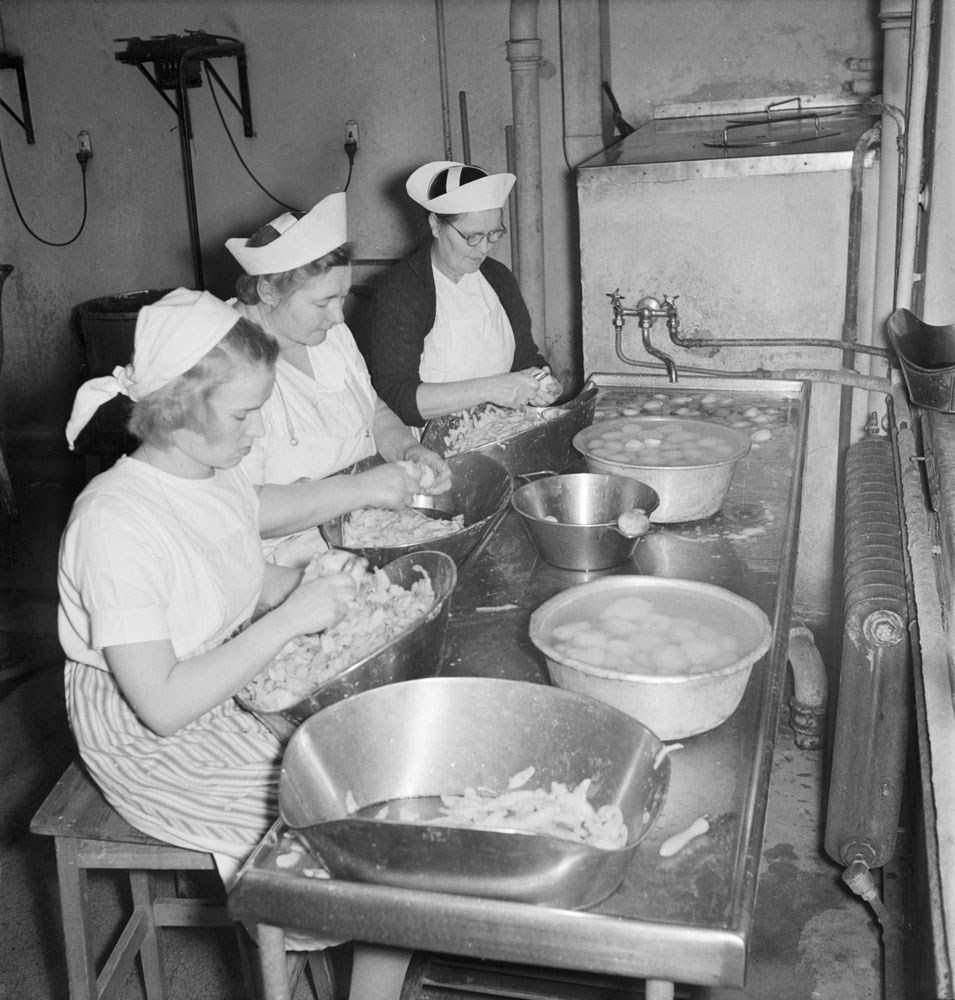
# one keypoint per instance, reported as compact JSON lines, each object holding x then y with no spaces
{"x":81,"y":158}
{"x":215,"y":100}
{"x":351,"y":148}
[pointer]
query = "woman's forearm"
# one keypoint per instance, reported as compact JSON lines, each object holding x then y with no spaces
{"x":392,"y":437}
{"x":437,"y":399}
{"x":167,"y":694}
{"x":286,"y":509}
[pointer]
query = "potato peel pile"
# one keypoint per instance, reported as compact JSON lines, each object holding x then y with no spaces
{"x":560,"y":812}
{"x":373,"y":527}
{"x":476,"y":428}
{"x":379,"y":612}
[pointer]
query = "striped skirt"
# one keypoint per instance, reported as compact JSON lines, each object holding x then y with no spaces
{"x":213,"y":786}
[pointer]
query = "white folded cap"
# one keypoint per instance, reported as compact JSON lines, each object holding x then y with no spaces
{"x":323,"y":229}
{"x":172,"y":335}
{"x":450,"y":188}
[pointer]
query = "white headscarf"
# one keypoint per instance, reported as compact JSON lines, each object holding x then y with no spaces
{"x":172,"y":335}
{"x":443,"y":187}
{"x":323,"y":229}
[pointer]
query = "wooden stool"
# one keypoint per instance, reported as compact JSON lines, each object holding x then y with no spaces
{"x":90,"y":834}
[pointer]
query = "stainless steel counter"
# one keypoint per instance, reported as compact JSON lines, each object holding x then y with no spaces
{"x":687,"y":918}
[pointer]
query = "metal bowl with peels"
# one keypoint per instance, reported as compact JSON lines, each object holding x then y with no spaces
{"x":480,"y":491}
{"x":408,"y":744}
{"x":416,"y":651}
{"x":545,"y":445}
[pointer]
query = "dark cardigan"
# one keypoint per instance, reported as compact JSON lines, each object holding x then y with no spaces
{"x":402,"y":314}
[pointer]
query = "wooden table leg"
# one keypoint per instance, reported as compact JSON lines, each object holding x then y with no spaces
{"x":659,"y":989}
{"x":272,"y":957}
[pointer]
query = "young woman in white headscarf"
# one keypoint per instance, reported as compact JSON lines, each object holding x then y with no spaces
{"x":324,"y":414}
{"x":449,"y":326}
{"x":160,"y":563}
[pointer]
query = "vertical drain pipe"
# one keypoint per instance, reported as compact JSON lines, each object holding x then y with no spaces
{"x":524,"y":55}
{"x":443,"y":77}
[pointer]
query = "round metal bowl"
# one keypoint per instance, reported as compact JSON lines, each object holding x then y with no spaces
{"x":688,"y":492}
{"x":480,"y":490}
{"x":419,"y":740}
{"x":586,"y":507}
{"x":672,"y":705}
{"x":543,"y":447}
{"x":415,"y":652}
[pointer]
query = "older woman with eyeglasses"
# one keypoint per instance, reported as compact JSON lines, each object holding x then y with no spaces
{"x":449,"y":327}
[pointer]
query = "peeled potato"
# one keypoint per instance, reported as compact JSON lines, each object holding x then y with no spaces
{"x":633,"y":523}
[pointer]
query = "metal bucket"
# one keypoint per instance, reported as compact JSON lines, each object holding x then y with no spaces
{"x":586,"y":507}
{"x":927,"y":355}
{"x":106,"y":327}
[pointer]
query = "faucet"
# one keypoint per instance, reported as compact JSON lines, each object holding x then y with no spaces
{"x":647,"y":311}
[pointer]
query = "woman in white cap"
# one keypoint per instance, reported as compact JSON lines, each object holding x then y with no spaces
{"x":449,"y":325}
{"x":324,"y":414}
{"x":159,"y":564}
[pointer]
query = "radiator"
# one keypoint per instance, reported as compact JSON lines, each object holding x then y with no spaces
{"x":874,"y":690}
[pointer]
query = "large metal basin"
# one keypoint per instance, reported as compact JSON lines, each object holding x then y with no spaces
{"x":688,"y":492}
{"x":545,"y":447}
{"x":424,"y":738}
{"x":586,"y":506}
{"x":415,"y":652}
{"x":480,"y":490}
{"x":676,"y":705}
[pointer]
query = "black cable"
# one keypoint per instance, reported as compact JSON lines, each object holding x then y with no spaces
{"x":351,"y":163}
{"x":26,"y":225}
{"x":235,"y":148}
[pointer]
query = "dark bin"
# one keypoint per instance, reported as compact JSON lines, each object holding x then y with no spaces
{"x":106,"y":327}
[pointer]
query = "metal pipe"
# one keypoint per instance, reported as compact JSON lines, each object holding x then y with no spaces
{"x":512,"y":204}
{"x":915,"y":114}
{"x":691,"y":342}
{"x":850,"y":321}
{"x":185,"y":137}
{"x":443,"y":77}
{"x":836,"y":376}
{"x":939,"y":303}
{"x":807,"y":706}
{"x":465,"y":127}
{"x":524,"y":55}
{"x":895,"y":21}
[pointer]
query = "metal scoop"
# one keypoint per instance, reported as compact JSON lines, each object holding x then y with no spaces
{"x":424,"y":504}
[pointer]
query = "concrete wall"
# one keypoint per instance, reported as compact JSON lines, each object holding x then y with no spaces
{"x":312,"y":65}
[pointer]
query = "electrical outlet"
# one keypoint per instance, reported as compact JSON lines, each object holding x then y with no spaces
{"x":84,"y":146}
{"x":351,"y":134}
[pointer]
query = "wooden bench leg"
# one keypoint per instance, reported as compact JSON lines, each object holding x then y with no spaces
{"x":150,"y":953}
{"x":74,"y":905}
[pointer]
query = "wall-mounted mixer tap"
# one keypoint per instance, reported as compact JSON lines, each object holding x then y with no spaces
{"x":647,"y":311}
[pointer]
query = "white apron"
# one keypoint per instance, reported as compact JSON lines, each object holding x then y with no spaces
{"x":314,"y":427}
{"x":471,"y":337}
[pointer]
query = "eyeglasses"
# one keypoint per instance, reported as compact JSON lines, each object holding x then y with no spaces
{"x":475,"y":239}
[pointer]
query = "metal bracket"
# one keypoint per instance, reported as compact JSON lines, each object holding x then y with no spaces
{"x":8,"y":61}
{"x":175,"y":61}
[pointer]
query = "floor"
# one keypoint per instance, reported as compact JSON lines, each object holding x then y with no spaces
{"x":814,"y":940}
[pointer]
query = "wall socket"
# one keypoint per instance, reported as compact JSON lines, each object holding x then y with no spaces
{"x":84,"y":146}
{"x":351,"y":133}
